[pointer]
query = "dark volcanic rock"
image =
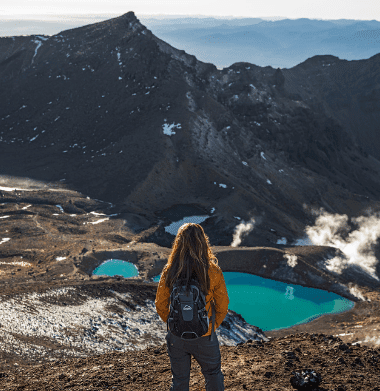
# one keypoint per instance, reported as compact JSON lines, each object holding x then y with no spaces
{"x":122,"y":116}
{"x":306,"y":380}
{"x":344,"y":90}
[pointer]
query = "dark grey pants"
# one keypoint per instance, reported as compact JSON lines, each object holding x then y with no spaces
{"x":206,"y":353}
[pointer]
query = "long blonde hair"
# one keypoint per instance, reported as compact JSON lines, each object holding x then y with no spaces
{"x":191,"y":256}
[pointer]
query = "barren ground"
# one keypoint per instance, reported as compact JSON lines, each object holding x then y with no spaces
{"x":57,"y":238}
{"x":250,"y":366}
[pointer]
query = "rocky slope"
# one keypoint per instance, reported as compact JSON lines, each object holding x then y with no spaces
{"x":63,"y":319}
{"x":347,"y":91}
{"x":250,"y":366}
{"x":120,"y":115}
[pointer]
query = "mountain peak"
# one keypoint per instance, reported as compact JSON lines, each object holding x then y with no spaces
{"x":128,"y":17}
{"x":129,"y":14}
{"x":127,"y":21}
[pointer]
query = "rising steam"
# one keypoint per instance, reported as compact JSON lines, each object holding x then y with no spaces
{"x":241,"y":230}
{"x":355,"y":291}
{"x":356,"y":244}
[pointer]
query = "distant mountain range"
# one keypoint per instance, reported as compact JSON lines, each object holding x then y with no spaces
{"x":280,"y":43}
{"x":119,"y":114}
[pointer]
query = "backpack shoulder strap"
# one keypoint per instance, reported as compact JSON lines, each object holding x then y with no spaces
{"x":212,"y":321}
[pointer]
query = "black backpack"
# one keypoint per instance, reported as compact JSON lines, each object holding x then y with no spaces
{"x":188,"y":317}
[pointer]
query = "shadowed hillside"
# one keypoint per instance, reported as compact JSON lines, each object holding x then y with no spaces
{"x":114,"y":112}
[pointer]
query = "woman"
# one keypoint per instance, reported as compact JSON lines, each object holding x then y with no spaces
{"x":192,"y":258}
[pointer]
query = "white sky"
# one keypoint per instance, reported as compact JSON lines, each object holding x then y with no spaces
{"x":313,"y":9}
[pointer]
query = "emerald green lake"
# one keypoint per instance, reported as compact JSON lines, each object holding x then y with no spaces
{"x":116,"y":267}
{"x":273,"y":305}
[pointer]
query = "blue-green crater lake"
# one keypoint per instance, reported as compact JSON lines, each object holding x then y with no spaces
{"x":116,"y":267}
{"x":268,"y":304}
{"x":273,"y":305}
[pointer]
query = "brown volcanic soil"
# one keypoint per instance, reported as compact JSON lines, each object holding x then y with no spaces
{"x":40,"y":232}
{"x":250,"y":366}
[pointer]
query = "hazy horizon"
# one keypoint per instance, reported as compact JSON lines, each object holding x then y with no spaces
{"x":291,"y":9}
{"x":55,"y":16}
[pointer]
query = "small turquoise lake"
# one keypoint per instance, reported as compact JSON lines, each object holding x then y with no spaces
{"x":116,"y":267}
{"x":267,"y":304}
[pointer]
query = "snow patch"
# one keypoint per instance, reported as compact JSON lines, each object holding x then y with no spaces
{"x":282,"y":241}
{"x":174,"y":227}
{"x":97,"y":221}
{"x":17,"y":263}
{"x":98,"y":214}
{"x":168,"y":129}
{"x":4,"y":240}
{"x":39,"y":43}
{"x":263,"y":156}
{"x":374,"y":339}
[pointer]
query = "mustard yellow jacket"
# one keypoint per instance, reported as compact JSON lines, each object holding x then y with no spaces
{"x":217,"y":294}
